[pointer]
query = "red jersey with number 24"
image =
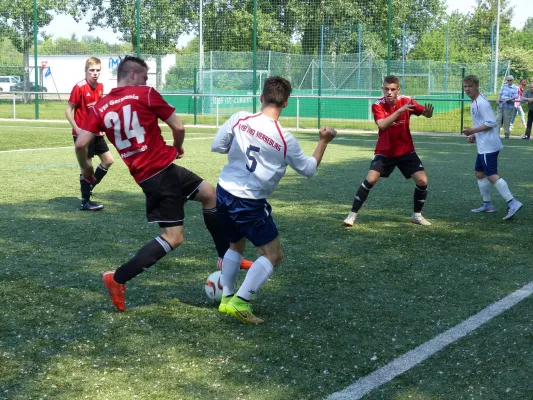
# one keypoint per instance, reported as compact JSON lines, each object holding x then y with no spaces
{"x":396,"y":140}
{"x":83,"y":96}
{"x":129,"y":116}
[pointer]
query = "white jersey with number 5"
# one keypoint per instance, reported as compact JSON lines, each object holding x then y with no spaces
{"x":259,"y":151}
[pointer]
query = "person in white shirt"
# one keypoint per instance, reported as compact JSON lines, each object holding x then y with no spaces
{"x":259,"y":151}
{"x":486,"y":135}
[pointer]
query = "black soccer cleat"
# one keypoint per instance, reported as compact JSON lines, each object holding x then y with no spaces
{"x":91,"y":206}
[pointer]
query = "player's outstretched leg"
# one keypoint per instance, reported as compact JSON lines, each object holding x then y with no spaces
{"x":116,"y":290}
{"x":86,"y":203}
{"x":147,"y":256}
{"x":360,"y":197}
{"x":230,"y":272}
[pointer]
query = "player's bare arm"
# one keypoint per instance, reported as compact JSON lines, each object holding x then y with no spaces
{"x":470,"y":131}
{"x":325,"y":135}
{"x":69,"y":114}
{"x":428,"y":110}
{"x":81,"y":145}
{"x":384,"y":123}
{"x":178,"y":133}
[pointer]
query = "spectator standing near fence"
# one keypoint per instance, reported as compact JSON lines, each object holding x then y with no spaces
{"x":486,"y":134}
{"x":518,"y":104}
{"x":83,"y":97}
{"x":508,"y":94}
{"x":528,"y":97}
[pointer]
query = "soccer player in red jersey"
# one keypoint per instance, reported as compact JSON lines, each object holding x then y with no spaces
{"x":85,"y":95}
{"x":394,"y":148}
{"x":129,"y":116}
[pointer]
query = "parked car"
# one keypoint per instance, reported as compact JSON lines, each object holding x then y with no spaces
{"x":20,"y":87}
{"x":6,"y":81}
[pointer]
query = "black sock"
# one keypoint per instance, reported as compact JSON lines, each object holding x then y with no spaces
{"x":214,"y":226}
{"x":421,"y":193}
{"x":147,"y":256}
{"x":361,"y":195}
{"x":85,"y":188}
{"x":99,"y":174}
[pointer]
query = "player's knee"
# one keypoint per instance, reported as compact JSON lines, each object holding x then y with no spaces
{"x":479,"y":175}
{"x":277,"y":257}
{"x":174,"y":240}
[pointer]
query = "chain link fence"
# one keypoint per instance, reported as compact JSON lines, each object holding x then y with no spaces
{"x":211,"y":57}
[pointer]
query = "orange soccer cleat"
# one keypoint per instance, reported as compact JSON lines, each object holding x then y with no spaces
{"x":245,"y":264}
{"x":116,"y":290}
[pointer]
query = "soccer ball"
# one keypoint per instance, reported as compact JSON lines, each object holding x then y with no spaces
{"x":213,"y":287}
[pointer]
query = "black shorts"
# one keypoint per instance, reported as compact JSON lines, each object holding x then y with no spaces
{"x":408,"y":164}
{"x":166,"y":194}
{"x":97,"y":146}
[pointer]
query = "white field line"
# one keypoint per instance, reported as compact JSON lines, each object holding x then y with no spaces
{"x":414,"y":357}
{"x":301,"y":139}
{"x":71,"y":147}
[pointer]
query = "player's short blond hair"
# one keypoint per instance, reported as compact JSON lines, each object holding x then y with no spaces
{"x":92,"y":61}
{"x":471,"y":79}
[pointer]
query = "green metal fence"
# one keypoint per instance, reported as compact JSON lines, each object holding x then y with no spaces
{"x":326,"y":48}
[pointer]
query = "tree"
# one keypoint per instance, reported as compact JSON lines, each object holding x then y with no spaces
{"x":16,"y":23}
{"x":161,"y":23}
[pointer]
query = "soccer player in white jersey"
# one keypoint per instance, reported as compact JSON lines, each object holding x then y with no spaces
{"x":259,"y":151}
{"x":487,"y":137}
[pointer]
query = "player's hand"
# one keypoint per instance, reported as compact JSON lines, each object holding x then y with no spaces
{"x":88,"y":174}
{"x":181,"y":152}
{"x":468,"y":131}
{"x":407,"y":107}
{"x":327,"y":133}
{"x":472,"y":138}
{"x":428,"y":110}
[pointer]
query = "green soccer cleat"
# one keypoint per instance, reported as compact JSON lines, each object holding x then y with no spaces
{"x":223,"y":307}
{"x":242,"y":310}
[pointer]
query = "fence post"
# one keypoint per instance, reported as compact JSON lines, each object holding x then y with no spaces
{"x":36,"y":88}
{"x":359,"y":34}
{"x":320,"y":72}
{"x":491,"y":55}
{"x":14,"y":107}
{"x":138,"y":26}
{"x":462,"y":102}
{"x":447,"y":59}
{"x":194,"y":97}
{"x":216,"y":99}
{"x":403,"y":56}
{"x":254,"y":79}
{"x":389,"y":27}
{"x":297,"y":113}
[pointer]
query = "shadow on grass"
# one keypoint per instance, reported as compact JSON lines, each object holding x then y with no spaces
{"x":331,"y":309}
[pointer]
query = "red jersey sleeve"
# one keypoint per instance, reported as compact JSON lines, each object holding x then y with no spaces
{"x":419,"y":108}
{"x":378,"y":111}
{"x":75,"y":96}
{"x":161,"y":108}
{"x":93,"y":123}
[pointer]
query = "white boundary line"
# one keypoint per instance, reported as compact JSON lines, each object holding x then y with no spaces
{"x":414,"y":357}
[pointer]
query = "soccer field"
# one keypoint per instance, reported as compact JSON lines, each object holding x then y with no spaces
{"x":343,"y":304}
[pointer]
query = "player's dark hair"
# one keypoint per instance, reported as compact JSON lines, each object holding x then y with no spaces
{"x":391,"y":79}
{"x":129,"y":63}
{"x":276,"y":91}
{"x":471,"y":79}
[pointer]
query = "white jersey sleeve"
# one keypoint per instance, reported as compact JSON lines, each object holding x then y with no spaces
{"x":224,"y":136}
{"x":297,"y":159}
{"x":488,"y":141}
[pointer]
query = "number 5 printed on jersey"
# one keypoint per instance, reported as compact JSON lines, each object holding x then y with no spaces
{"x":251,"y":148}
{"x":132,"y":128}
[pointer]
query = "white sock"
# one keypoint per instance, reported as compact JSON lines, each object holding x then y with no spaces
{"x":503,"y":190}
{"x":257,"y":275}
{"x":230,"y":271}
{"x":484,"y":189}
